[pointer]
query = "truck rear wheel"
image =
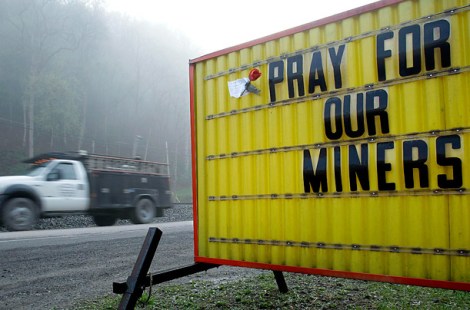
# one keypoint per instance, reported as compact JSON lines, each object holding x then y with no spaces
{"x":20,"y":214}
{"x":104,"y":220}
{"x":144,"y":212}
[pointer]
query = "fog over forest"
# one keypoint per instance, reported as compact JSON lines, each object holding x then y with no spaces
{"x":75,"y":77}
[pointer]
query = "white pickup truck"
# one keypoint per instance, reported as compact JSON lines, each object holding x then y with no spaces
{"x":107,"y":188}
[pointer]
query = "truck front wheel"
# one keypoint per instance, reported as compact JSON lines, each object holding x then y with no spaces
{"x":144,"y":212}
{"x":20,"y":214}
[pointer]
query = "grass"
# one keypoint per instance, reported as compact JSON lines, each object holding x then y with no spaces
{"x":305,"y":292}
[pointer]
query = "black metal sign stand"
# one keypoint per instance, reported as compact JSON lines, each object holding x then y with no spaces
{"x":139,"y":279}
{"x":134,"y":285}
{"x":281,"y":282}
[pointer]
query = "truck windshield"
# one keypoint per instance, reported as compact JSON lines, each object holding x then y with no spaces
{"x":37,"y":170}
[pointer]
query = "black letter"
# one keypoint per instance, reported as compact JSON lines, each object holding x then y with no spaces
{"x":327,"y":117}
{"x":316,"y":67}
{"x":275,"y":77}
{"x":382,"y":53}
{"x":383,"y":167}
{"x":298,"y":60}
{"x":431,"y":43}
{"x":336,"y":62}
{"x":359,"y":167}
{"x":455,"y":162}
{"x":315,"y":179}
{"x":338,"y":181}
{"x":359,"y":116}
{"x":372,"y":111}
{"x":409,"y":164}
{"x":415,"y":32}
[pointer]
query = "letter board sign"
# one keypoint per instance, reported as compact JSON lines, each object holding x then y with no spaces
{"x":345,"y":153}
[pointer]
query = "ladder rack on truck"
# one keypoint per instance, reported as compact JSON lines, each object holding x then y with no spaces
{"x":104,"y":162}
{"x":100,"y":162}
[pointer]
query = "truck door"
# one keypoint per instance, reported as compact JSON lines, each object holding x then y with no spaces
{"x":64,"y":190}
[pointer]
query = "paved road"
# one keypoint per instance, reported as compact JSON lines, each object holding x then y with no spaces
{"x":56,"y":269}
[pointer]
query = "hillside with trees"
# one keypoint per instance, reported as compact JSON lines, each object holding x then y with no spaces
{"x":75,"y":77}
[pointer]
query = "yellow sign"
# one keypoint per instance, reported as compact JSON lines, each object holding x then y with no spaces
{"x":348,"y":155}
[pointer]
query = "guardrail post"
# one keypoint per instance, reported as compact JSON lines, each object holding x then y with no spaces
{"x":136,"y":281}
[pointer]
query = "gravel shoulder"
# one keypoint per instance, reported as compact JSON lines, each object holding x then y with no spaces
{"x":181,"y":212}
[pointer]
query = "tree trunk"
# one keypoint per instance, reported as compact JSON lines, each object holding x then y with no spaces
{"x":149,"y":136}
{"x":52,"y":139}
{"x":83,"y":125}
{"x":65,"y":136}
{"x":25,"y":124}
{"x":31,"y":125}
{"x":106,"y":133}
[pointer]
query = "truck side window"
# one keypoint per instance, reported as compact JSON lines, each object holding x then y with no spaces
{"x":67,"y":172}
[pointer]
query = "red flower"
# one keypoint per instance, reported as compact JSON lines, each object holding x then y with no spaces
{"x":254,"y":74}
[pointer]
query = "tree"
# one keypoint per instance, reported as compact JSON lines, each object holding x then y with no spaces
{"x":73,"y":76}
{"x":58,"y":107}
{"x":42,"y":30}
